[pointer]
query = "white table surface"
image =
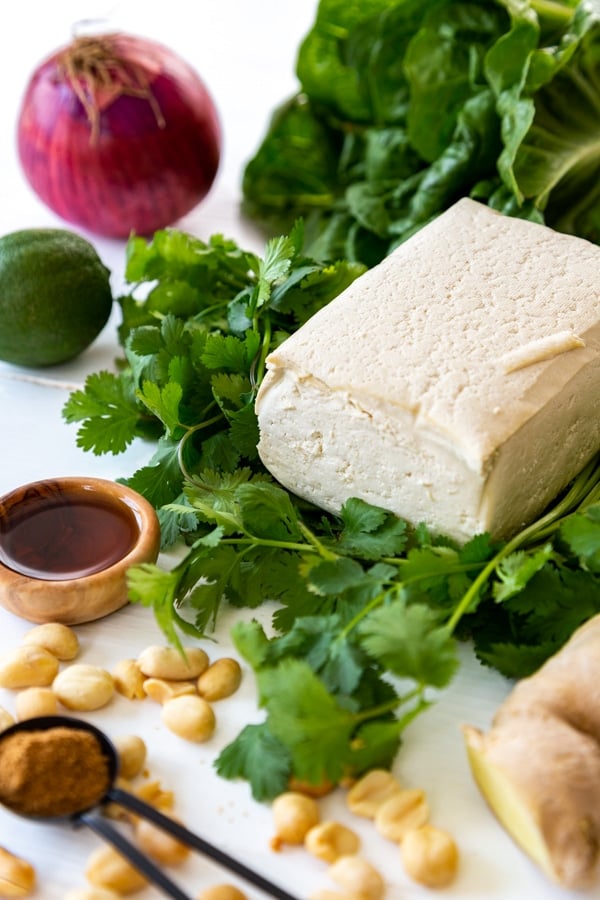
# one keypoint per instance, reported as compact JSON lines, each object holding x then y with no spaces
{"x":245,"y":51}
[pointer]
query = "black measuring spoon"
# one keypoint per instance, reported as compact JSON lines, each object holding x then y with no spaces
{"x":93,"y":817}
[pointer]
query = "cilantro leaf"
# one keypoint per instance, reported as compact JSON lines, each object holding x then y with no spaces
{"x":517,"y":660}
{"x":316,"y":639}
{"x":109,"y":410}
{"x":251,"y":641}
{"x":263,"y":573}
{"x":217,"y":566}
{"x":333,"y":576}
{"x":314,"y":727}
{"x":160,"y":481}
{"x":376,"y":745}
{"x":164,"y":403}
{"x":149,"y":585}
{"x":259,"y":757}
{"x":226,"y":352}
{"x":267,"y":511}
{"x":275,"y":264}
{"x":243,"y":429}
{"x":408,"y":640}
{"x":517,"y":569}
{"x":370,"y":532}
{"x":581,"y":531}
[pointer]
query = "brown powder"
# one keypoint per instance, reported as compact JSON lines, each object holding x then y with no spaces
{"x":53,"y":772}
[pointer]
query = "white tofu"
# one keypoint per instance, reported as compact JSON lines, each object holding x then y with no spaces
{"x":457,"y":383}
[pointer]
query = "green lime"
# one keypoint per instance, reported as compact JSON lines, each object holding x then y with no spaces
{"x":55,"y":296}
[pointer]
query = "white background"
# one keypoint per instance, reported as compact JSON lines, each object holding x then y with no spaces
{"x":245,"y":51}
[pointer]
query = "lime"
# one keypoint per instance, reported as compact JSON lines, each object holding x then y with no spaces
{"x":55,"y":296}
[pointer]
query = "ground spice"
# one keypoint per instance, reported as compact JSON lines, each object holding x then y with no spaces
{"x":52,"y":772}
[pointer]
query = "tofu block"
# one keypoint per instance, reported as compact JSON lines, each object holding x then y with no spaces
{"x":457,"y":383}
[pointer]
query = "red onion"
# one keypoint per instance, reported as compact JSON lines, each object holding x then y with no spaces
{"x":117,"y":134}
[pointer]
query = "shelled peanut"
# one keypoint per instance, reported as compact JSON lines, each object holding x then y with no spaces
{"x":6,"y":719}
{"x":33,"y":670}
{"x":17,"y":875}
{"x":185,"y":685}
{"x":45,"y":676}
{"x":429,"y":854}
{"x":36,"y":670}
{"x":294,"y":814}
{"x":108,"y":869}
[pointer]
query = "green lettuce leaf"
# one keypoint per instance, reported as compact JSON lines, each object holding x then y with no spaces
{"x":404,"y":107}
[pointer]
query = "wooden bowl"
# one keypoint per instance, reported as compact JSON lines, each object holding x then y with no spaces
{"x":66,"y":545}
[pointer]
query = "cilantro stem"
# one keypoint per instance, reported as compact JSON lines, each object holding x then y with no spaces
{"x":391,"y":705}
{"x":576,"y":497}
{"x":253,"y":541}
{"x":381,"y":709}
{"x":382,"y":596}
{"x":208,"y":311}
{"x":316,"y":543}
{"x":257,"y":369}
{"x":205,"y":423}
{"x":362,"y":613}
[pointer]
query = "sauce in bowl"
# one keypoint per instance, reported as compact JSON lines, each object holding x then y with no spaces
{"x":66,"y":545}
{"x":67,"y":533}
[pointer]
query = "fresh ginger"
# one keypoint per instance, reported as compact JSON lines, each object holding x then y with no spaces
{"x":539,"y":765}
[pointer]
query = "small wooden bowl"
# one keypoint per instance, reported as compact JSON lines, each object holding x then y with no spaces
{"x":66,"y":545}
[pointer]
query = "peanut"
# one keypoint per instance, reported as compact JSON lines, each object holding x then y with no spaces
{"x":370,"y":791}
{"x":161,"y":846}
{"x":36,"y":701}
{"x":220,"y":680}
{"x":153,"y":792}
{"x":169,"y":663}
{"x":6,"y":719}
{"x":401,"y":813}
{"x":129,"y":679}
{"x":430,"y":856}
{"x":114,"y":810}
{"x":294,"y":814}
{"x":27,"y":666}
{"x":161,"y":689}
{"x":355,"y":874}
{"x":106,"y":868}
{"x":56,"y":638}
{"x":132,"y":754}
{"x":84,"y":687}
{"x":330,"y":840}
{"x":190,"y":717}
{"x":17,"y":876}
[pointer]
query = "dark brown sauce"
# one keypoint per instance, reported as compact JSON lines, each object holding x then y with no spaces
{"x":66,"y":534}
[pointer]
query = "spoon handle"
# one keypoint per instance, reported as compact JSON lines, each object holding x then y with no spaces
{"x":130,"y":801}
{"x":103,"y":827}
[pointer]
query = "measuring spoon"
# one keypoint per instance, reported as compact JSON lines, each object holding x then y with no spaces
{"x":93,"y":817}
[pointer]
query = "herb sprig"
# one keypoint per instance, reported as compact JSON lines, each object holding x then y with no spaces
{"x":368,"y":609}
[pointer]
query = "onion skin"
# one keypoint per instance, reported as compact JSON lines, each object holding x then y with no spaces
{"x":133,"y":161}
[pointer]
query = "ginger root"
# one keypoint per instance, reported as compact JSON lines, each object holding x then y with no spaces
{"x":539,"y":765}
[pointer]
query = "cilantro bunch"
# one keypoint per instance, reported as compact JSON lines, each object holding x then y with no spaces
{"x":368,"y":609}
{"x":198,"y":321}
